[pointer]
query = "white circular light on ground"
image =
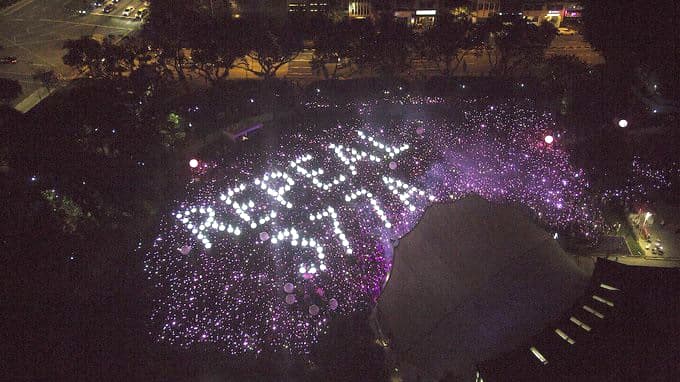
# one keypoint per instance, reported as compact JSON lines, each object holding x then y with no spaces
{"x":193,"y":163}
{"x":623,"y":123}
{"x":549,"y":139}
{"x":288,"y":287}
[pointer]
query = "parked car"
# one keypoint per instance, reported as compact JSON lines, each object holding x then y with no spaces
{"x":141,"y":14}
{"x":109,"y":8}
{"x":565,"y":31}
{"x":78,"y":7}
{"x":8,"y":60}
{"x":128,"y":11}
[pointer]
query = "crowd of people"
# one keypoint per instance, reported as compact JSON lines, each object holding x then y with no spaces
{"x":267,"y":247}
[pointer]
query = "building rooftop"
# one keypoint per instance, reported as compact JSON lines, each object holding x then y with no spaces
{"x":470,"y":282}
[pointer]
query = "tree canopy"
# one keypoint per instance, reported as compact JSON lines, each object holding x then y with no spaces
{"x":518,"y":47}
{"x":637,"y":34}
{"x":9,"y":90}
{"x":271,"y":44}
{"x":447,"y":42}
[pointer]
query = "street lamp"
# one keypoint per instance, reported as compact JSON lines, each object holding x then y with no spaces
{"x":623,"y":123}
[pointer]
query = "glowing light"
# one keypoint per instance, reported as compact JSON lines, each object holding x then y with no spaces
{"x":267,"y":249}
{"x":193,"y":163}
{"x":549,"y":139}
{"x":623,"y":123}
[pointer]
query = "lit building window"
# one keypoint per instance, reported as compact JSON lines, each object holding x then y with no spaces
{"x":565,"y":337}
{"x":538,"y":355}
{"x":580,"y":324}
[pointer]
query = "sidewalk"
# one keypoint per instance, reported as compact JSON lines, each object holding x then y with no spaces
{"x":33,"y":99}
{"x":659,"y":262}
{"x":15,"y":7}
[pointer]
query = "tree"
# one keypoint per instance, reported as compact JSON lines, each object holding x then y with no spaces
{"x":9,"y":90}
{"x":447,"y":42}
{"x":386,"y":48}
{"x":93,"y":147}
{"x":636,"y":36}
{"x":106,"y":59}
{"x":272,"y":44}
{"x":170,"y":28}
{"x":332,"y":48}
{"x":144,"y":79}
{"x":348,"y":352}
{"x":48,"y":78}
{"x":517,"y":48}
{"x":84,"y":54}
{"x":123,"y":56}
{"x":562,"y":75}
{"x":309,"y":24}
{"x":217,"y":48}
{"x":562,"y":72}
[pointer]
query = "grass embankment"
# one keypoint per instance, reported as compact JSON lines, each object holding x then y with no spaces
{"x":618,"y":216}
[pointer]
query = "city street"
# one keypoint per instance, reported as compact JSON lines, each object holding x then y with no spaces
{"x":575,"y":45}
{"x":299,"y":68}
{"x":663,"y":228}
{"x":34,"y":31}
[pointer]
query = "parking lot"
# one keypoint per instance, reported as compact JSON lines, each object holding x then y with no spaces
{"x":34,"y":32}
{"x":118,"y":8}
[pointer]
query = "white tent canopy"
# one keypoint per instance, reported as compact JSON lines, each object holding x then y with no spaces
{"x":472,"y":280}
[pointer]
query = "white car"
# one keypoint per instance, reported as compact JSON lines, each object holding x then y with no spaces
{"x":565,"y":31}
{"x":128,"y":11}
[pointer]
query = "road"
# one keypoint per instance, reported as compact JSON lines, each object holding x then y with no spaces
{"x":299,"y":68}
{"x":664,"y":236}
{"x":575,"y":45}
{"x":35,"y":30}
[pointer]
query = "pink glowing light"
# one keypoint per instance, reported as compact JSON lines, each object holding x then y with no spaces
{"x":288,"y":287}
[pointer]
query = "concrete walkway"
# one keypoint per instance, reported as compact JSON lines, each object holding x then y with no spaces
{"x":33,"y":99}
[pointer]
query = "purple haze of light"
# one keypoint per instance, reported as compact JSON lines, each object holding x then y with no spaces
{"x":329,"y":231}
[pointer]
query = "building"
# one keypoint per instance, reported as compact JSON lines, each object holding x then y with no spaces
{"x":453,"y":297}
{"x":359,"y":10}
{"x":623,"y":328}
{"x":269,"y":8}
{"x":308,"y":6}
{"x":483,"y":9}
{"x":555,"y":12}
{"x":572,"y":14}
{"x":416,"y":13}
